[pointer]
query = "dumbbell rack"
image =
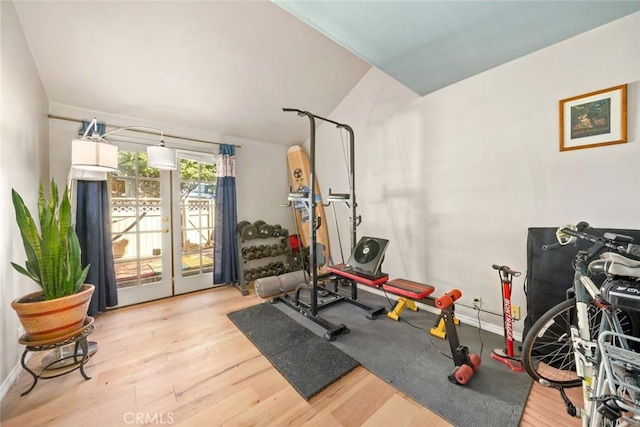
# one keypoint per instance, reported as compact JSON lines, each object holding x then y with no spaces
{"x":267,"y":254}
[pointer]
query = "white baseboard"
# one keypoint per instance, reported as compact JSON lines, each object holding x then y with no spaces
{"x":467,"y":320}
{"x":11,"y":379}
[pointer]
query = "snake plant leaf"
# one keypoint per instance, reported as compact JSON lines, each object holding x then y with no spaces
{"x":54,"y":258}
{"x":26,"y":224}
{"x":51,"y":255}
{"x":21,"y":269}
{"x":81,"y":278}
{"x":32,"y":260}
{"x":75,"y":265}
{"x":30,"y":238}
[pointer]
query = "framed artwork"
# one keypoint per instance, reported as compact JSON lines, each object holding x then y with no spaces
{"x":594,"y":119}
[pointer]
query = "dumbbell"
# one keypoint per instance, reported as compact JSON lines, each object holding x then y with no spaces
{"x":247,"y":230}
{"x":264,"y":230}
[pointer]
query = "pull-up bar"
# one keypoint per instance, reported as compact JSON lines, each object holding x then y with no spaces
{"x":312,"y":162}
{"x":306,"y":113}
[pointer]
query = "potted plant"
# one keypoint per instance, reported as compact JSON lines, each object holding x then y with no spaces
{"x":54,"y":263}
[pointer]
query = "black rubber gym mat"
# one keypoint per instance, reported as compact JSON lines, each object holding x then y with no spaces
{"x":403,"y":356}
{"x":308,"y":362}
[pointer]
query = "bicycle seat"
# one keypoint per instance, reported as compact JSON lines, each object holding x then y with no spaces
{"x":614,"y":264}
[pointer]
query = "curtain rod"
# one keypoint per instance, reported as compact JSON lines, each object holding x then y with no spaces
{"x":69,"y":119}
{"x":146,"y":142}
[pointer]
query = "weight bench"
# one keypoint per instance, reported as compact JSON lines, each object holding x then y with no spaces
{"x":408,"y":288}
{"x":408,"y":292}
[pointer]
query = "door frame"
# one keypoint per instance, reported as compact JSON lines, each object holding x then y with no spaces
{"x":164,"y":288}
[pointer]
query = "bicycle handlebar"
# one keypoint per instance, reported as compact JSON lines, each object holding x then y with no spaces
{"x":617,"y":242}
{"x":555,"y":245}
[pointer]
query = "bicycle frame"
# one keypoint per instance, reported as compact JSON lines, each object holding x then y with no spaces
{"x":585,"y":347}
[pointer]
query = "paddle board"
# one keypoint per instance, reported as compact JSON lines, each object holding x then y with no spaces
{"x":299,"y":178}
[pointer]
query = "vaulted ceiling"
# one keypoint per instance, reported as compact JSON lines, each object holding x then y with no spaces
{"x":229,"y":67}
{"x":427,"y":45}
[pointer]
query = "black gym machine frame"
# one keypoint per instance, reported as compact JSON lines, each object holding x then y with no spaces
{"x":310,"y":309}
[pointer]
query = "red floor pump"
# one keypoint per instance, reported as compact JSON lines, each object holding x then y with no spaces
{"x":507,"y":355}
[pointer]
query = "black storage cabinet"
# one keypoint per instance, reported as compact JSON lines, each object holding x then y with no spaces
{"x":550,"y":272}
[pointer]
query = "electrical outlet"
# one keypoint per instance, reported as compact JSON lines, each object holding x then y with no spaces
{"x":515,"y":312}
{"x":477,"y":303}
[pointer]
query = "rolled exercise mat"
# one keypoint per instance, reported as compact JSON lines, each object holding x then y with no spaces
{"x":289,"y":281}
{"x":273,"y":285}
{"x":267,"y":286}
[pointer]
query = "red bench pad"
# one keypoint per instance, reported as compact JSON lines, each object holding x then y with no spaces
{"x":407,"y":288}
{"x":345,"y":271}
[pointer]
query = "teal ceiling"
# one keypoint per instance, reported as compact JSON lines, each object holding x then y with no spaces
{"x":427,"y":45}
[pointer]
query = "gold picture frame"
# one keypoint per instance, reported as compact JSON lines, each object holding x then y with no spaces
{"x":594,"y":119}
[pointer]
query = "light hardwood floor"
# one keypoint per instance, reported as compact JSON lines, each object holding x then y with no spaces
{"x":180,"y":361}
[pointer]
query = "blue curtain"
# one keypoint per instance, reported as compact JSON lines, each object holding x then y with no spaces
{"x":225,"y":244}
{"x":102,"y":127}
{"x":93,"y":226}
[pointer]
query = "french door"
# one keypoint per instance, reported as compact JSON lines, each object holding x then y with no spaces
{"x":194,"y":192}
{"x":162,"y":227}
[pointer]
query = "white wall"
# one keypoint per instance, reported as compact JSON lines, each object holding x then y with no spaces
{"x":262,"y":182}
{"x":455,"y":178}
{"x":23,"y":162}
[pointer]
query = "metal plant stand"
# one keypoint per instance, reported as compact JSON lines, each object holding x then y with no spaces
{"x":78,"y":357}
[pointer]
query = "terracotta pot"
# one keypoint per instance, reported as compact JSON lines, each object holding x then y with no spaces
{"x":46,"y":320}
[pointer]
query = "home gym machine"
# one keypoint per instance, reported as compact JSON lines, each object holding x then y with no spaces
{"x":330,"y":297}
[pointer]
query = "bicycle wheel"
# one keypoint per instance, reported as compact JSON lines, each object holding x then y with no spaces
{"x":547,"y":352}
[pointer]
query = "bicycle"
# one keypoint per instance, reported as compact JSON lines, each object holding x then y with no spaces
{"x":580,"y":341}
